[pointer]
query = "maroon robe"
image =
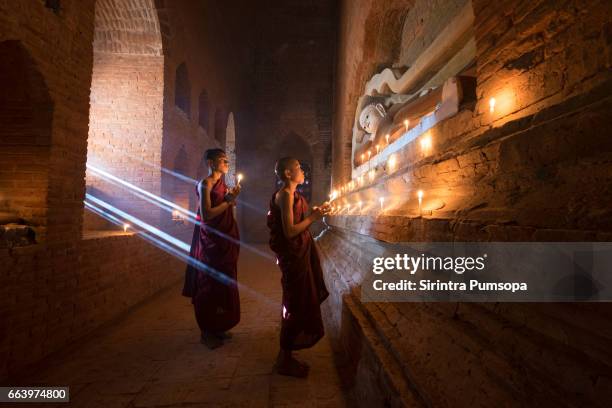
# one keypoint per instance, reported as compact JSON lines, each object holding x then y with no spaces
{"x":215,"y":293}
{"x":302,"y":279}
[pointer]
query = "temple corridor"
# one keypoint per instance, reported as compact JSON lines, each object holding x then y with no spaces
{"x":450,"y":166}
{"x":152,"y":356}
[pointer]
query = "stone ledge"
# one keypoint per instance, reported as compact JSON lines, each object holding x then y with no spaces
{"x":16,"y":235}
{"x":505,"y":355}
{"x":364,"y":347}
{"x":101,"y":234}
{"x":397,"y":228}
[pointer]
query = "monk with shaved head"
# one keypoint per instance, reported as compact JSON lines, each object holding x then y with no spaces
{"x":302,"y":278}
{"x":210,"y":278}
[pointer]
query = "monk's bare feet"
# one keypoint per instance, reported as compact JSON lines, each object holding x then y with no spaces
{"x":210,"y":340}
{"x":224,"y":335}
{"x":287,"y":365}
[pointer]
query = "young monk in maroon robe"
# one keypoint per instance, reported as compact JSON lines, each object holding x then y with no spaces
{"x":302,"y":278}
{"x":214,"y":290}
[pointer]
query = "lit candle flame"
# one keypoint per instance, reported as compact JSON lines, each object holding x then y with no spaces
{"x":392,"y":162}
{"x":125,"y":227}
{"x":369,"y":154}
{"x":426,"y":142}
{"x":492,"y":105}
{"x":382,"y":203}
{"x":239,"y":178}
{"x":371,"y":175}
{"x":420,"y":195}
{"x":362,"y":157}
{"x":387,"y":138}
{"x":406,"y":124}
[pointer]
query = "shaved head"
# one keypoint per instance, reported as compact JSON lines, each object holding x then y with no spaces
{"x":283,"y":164}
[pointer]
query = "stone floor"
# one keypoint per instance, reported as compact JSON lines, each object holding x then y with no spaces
{"x":152,"y":357}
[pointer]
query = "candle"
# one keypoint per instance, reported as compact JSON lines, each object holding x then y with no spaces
{"x":492,"y":105}
{"x":377,"y":148}
{"x":382,"y":202}
{"x":362,"y":158}
{"x":371,"y":175}
{"x":348,"y":208}
{"x":369,"y":154}
{"x":359,"y":204}
{"x":426,"y":142}
{"x":125,"y":227}
{"x":239,"y":178}
{"x":406,"y":124}
{"x":387,"y":138}
{"x":420,"y":195}
{"x":391,"y":163}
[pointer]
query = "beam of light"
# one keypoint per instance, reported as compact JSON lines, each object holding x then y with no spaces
{"x":191,"y":217}
{"x":251,"y":206}
{"x":106,"y":215}
{"x":178,"y":175}
{"x":155,"y":231}
{"x":140,"y":190}
{"x":221,"y":277}
{"x":183,"y":177}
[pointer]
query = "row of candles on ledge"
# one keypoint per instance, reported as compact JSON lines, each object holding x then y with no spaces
{"x":390,"y":167}
{"x":339,"y":209}
{"x":377,"y":147}
{"x":425,"y":142}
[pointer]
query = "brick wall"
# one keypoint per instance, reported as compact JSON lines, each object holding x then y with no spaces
{"x":56,"y":291}
{"x":26,"y":113}
{"x":125,"y":132}
{"x":293,"y":69}
{"x":54,"y":295}
{"x":536,"y":169}
{"x":218,"y":68}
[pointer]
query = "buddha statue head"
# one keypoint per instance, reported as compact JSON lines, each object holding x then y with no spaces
{"x":371,"y":116}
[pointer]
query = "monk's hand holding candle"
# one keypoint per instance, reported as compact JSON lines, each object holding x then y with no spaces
{"x":232,"y":194}
{"x":322,"y":210}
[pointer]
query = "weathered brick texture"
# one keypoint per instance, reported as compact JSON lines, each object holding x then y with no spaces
{"x":537,"y":169}
{"x":95,"y":81}
{"x":292,"y":106}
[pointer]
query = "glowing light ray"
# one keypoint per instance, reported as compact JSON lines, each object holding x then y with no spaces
{"x":131,"y":186}
{"x":176,"y":242}
{"x":194,"y":221}
{"x":180,"y":176}
{"x":154,"y":202}
{"x":251,"y":206}
{"x":188,"y":259}
{"x":140,"y":190}
{"x":107,"y":216}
